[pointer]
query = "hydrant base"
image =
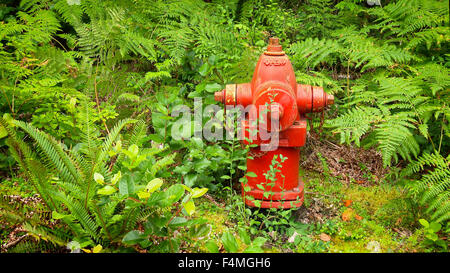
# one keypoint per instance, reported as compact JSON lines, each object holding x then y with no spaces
{"x":287,"y":204}
{"x":285,"y":200}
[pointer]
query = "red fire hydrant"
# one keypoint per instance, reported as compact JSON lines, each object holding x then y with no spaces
{"x":279,"y":102}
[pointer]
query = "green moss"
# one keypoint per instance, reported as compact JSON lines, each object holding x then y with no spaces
{"x":355,"y":236}
{"x":216,"y":216}
{"x":382,"y":208}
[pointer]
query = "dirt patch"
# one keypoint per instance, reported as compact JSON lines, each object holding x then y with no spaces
{"x":348,"y":162}
{"x":33,"y":200}
{"x":316,"y":212}
{"x":27,"y":206}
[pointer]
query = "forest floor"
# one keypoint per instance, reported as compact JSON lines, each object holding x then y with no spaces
{"x":350,"y":206}
{"x":340,"y":217}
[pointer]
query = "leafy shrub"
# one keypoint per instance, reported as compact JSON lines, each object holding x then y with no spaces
{"x":100,"y":191}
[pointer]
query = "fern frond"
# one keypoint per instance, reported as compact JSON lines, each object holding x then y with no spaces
{"x":34,"y":170}
{"x":434,"y":186}
{"x":46,"y":234}
{"x":394,"y":136}
{"x":311,"y":52}
{"x":161,"y":163}
{"x":54,"y":153}
{"x":355,"y":123}
{"x":81,"y":214}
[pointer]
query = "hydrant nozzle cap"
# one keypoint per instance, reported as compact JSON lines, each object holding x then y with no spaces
{"x":274,"y":47}
{"x":330,"y":99}
{"x":218,"y":96}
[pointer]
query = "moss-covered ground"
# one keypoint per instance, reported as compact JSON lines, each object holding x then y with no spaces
{"x":336,"y":217}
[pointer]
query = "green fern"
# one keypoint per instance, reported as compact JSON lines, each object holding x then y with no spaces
{"x":394,"y":112}
{"x":434,"y":185}
{"x":311,"y":52}
{"x":76,"y":184}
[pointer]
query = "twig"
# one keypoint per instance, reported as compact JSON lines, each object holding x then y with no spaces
{"x":317,"y":193}
{"x":13,"y":243}
{"x":332,"y":144}
{"x":210,"y":198}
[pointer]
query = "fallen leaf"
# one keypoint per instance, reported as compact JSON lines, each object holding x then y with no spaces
{"x":347,"y":215}
{"x":325,"y":237}
{"x":357,"y":217}
{"x":360,"y":181}
{"x":348,"y":202}
{"x":292,"y":238}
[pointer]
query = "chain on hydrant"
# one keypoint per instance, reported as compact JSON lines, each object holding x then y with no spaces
{"x":276,"y":98}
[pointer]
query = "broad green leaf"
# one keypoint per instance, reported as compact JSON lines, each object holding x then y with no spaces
{"x":143,"y":194}
{"x":196,"y":192}
{"x":212,"y":59}
{"x":212,"y":247}
{"x":259,"y":241}
{"x":211,"y":88}
{"x":154,"y":185}
{"x":202,"y":164}
{"x":56,"y":215}
{"x":106,"y":190}
{"x":203,"y":69}
{"x":174,"y":193}
{"x":187,"y":188}
{"x":432,"y":236}
{"x":424,"y":222}
{"x":3,"y":132}
{"x":244,"y":236}
{"x":251,"y":174}
{"x":229,"y":242}
{"x":126,"y":184}
{"x":116,"y":178}
{"x":189,"y":207}
{"x":97,"y":249}
{"x":197,"y":142}
{"x":178,"y":221}
{"x":133,"y":237}
{"x":253,"y":249}
{"x":435,"y":227}
{"x":134,"y":150}
{"x":189,"y":180}
{"x":99,"y":178}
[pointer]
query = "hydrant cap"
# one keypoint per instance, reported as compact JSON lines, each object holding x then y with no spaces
{"x":274,"y":47}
